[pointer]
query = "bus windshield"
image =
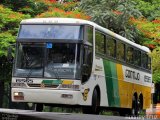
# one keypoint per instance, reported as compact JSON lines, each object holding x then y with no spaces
{"x":49,"y":60}
{"x":63,"y":61}
{"x":29,"y":60}
{"x":65,"y":32}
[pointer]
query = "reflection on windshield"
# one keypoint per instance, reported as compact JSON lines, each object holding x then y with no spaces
{"x":62,"y":53}
{"x":29,"y":57}
{"x":59,"y":60}
{"x":63,"y":61}
{"x":50,"y":32}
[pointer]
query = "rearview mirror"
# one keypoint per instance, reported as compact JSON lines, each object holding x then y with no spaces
{"x":9,"y":54}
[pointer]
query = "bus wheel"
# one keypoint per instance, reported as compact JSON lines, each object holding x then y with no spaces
{"x":140,"y":105}
{"x":39,"y":107}
{"x":134,"y":109}
{"x":94,"y":109}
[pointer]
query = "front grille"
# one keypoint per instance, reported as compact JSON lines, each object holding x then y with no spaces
{"x":42,"y":85}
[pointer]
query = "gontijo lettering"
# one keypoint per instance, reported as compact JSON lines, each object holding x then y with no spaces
{"x":132,"y":74}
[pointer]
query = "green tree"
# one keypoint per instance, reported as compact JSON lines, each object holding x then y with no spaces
{"x":61,"y":13}
{"x":31,"y":7}
{"x":150,"y":9}
{"x":9,"y":23}
{"x":150,"y":35}
{"x":156,"y":65}
{"x":114,"y":15}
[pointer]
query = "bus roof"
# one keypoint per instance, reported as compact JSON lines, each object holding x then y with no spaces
{"x":80,"y":21}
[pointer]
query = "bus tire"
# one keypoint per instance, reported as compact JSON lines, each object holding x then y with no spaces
{"x":134,"y":109}
{"x":140,"y":105}
{"x":94,"y":109}
{"x":39,"y":107}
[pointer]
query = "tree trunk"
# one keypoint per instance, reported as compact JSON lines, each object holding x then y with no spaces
{"x":1,"y":93}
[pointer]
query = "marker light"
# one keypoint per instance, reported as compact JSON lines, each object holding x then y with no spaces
{"x":18,"y":95}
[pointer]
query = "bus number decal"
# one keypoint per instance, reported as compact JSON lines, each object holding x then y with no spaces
{"x":147,"y":79}
{"x":24,"y":80}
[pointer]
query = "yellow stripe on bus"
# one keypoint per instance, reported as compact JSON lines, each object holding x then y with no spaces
{"x":127,"y":89}
{"x":122,"y":87}
{"x":67,"y":82}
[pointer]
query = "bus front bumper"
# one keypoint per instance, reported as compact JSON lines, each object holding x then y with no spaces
{"x":46,"y":96}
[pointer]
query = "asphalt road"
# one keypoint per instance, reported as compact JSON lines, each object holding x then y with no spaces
{"x":12,"y":114}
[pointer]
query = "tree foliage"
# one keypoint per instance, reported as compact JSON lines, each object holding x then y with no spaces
{"x":113,"y":15}
{"x":150,"y":35}
{"x":31,"y":7}
{"x":61,"y":13}
{"x":9,"y":23}
{"x":156,"y":64}
{"x":150,"y":9}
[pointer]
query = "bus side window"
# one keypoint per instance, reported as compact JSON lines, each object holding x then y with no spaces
{"x":89,"y":34}
{"x":137,"y":57}
{"x":100,"y":42}
{"x":149,"y":62}
{"x":120,"y":51}
{"x":129,"y":55}
{"x":87,"y":63}
{"x":111,"y":47}
{"x":144,"y":60}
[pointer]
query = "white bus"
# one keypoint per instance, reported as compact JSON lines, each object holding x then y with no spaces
{"x":66,"y":61}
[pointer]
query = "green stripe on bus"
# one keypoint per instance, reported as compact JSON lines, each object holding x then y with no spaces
{"x":115,"y":84}
{"x":52,"y":82}
{"x":111,"y":83}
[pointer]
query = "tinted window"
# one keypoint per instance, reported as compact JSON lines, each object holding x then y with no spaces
{"x":111,"y":47}
{"x":129,"y":55}
{"x":120,"y":51}
{"x":137,"y":57}
{"x":149,"y":63}
{"x":50,"y":31}
{"x":100,"y":42}
{"x":144,"y":60}
{"x":90,"y":34}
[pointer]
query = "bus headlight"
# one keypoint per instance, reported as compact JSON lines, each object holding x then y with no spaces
{"x":18,"y":95}
{"x":19,"y":85}
{"x":69,"y":86}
